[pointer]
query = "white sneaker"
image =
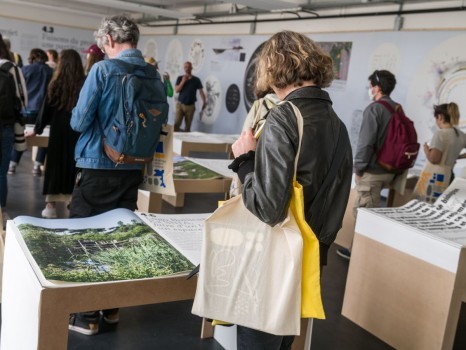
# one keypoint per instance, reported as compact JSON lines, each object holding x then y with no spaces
{"x":49,"y":213}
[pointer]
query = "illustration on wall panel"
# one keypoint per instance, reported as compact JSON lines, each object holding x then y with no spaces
{"x":385,"y":56}
{"x":196,"y":55}
{"x":340,"y":52}
{"x":249,"y":94}
{"x":150,"y":50}
{"x":232,"y":98}
{"x":174,"y":58}
{"x":440,"y":78}
{"x":213,"y":91}
{"x":230,"y":50}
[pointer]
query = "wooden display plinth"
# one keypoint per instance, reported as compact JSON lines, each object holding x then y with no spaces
{"x":404,"y":286}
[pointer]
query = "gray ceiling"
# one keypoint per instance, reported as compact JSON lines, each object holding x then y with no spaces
{"x":153,"y":12}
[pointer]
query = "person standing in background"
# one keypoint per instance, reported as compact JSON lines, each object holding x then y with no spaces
{"x":100,"y":185}
{"x":52,"y":58}
{"x":441,"y":154}
{"x":62,"y":94}
{"x":7,"y":134}
{"x":187,"y":86}
{"x":370,"y":176}
{"x":37,"y":75}
{"x":93,"y":55}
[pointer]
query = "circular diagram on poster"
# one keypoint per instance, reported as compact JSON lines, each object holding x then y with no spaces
{"x":440,"y":78}
{"x":249,"y":94}
{"x":196,"y":55}
{"x":150,"y":49}
{"x":452,"y":86}
{"x":213,"y":91}
{"x":232,"y":98}
{"x":174,"y":58}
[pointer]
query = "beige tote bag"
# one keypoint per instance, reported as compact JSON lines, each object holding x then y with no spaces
{"x":250,"y":273}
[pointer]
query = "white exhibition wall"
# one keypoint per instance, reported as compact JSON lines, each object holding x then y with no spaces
{"x":430,"y":67}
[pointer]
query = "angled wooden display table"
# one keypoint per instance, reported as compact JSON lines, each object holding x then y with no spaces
{"x":35,"y":315}
{"x":407,"y":275}
{"x":186,"y":142}
{"x":151,"y":202}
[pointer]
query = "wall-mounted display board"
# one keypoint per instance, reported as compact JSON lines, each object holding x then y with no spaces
{"x":25,"y":35}
{"x":430,"y":67}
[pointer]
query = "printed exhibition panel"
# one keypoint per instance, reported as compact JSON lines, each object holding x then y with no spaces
{"x":430,"y":67}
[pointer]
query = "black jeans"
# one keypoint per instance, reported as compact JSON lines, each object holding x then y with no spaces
{"x":251,"y":339}
{"x":97,"y":191}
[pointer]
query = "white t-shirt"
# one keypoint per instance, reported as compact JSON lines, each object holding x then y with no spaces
{"x":450,"y":142}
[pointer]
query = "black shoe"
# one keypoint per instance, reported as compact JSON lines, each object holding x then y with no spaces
{"x":111,"y":316}
{"x":83,"y":324}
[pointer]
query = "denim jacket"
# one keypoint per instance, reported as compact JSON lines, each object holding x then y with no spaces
{"x":98,"y":101}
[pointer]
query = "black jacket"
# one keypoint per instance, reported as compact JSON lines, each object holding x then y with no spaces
{"x":267,"y":178}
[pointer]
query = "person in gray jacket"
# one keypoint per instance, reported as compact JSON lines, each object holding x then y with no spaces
{"x":266,"y":167}
{"x":370,"y":176}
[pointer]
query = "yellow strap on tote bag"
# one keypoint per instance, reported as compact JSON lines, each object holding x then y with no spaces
{"x":311,"y":300}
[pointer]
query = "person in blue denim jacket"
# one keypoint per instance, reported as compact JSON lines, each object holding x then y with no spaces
{"x":101,"y":185}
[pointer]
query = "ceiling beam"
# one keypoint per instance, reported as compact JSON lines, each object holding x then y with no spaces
{"x":268,"y":5}
{"x":138,"y":8}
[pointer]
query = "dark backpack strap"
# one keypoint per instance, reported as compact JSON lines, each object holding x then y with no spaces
{"x":387,"y":106}
{"x":6,"y":66}
{"x":20,"y":87}
{"x":337,"y":160}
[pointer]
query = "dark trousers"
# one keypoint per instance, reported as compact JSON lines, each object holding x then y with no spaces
{"x":97,"y":191}
{"x":30,"y":117}
{"x":251,"y":339}
{"x":40,"y":156}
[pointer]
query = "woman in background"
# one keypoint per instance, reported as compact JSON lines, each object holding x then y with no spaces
{"x":93,"y":55}
{"x":62,"y":95}
{"x":441,"y":153}
{"x":7,"y":135}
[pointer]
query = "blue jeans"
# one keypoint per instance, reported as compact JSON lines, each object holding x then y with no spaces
{"x":8,"y":139}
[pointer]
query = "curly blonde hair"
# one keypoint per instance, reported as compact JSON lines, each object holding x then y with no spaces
{"x":290,"y":58}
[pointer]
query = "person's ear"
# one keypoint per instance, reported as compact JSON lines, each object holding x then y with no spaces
{"x":111,"y":42}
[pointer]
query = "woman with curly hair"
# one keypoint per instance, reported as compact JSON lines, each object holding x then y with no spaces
{"x":295,"y":69}
{"x":62,"y":94}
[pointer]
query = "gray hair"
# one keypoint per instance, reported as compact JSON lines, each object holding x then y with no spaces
{"x":121,"y":28}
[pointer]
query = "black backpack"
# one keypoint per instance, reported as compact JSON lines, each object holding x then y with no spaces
{"x":10,"y":104}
